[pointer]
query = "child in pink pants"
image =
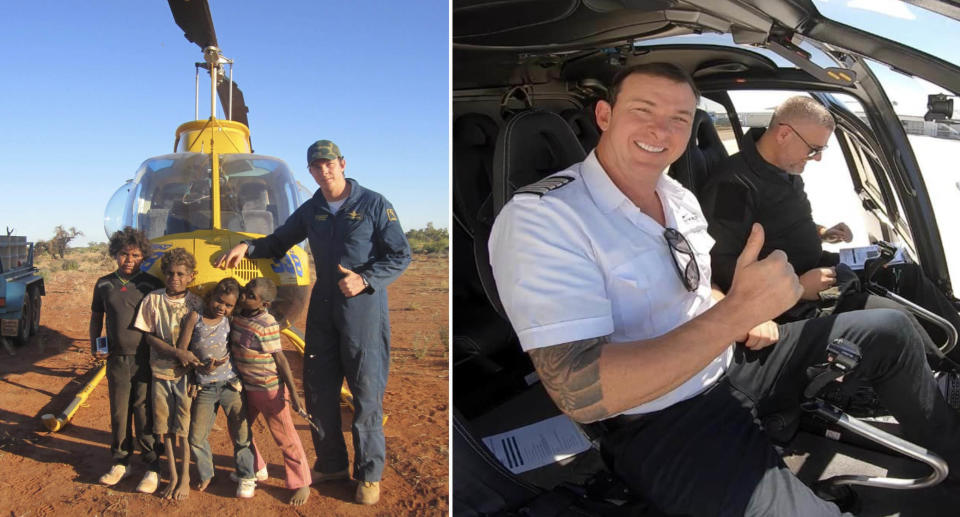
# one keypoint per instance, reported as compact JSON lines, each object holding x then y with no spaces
{"x":255,"y":344}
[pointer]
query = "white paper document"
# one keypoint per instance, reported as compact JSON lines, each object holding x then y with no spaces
{"x":857,"y":257}
{"x":535,"y":445}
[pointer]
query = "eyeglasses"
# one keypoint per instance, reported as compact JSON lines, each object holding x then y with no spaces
{"x":690,"y":273}
{"x":814,"y":149}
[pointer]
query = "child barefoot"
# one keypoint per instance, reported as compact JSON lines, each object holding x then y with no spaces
{"x":159,"y":318}
{"x":116,"y":298}
{"x":217,"y":385}
{"x":255,"y":343}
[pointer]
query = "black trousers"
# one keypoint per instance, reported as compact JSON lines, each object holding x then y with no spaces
{"x":128,"y":380}
{"x":710,"y":455}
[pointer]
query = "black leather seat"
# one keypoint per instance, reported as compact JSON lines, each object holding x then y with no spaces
{"x":479,"y":333}
{"x":474,"y":140}
{"x":704,"y":152}
{"x":584,"y":124}
{"x":531,"y":145}
{"x":481,"y":485}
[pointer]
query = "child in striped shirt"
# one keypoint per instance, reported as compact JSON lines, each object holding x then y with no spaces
{"x":255,"y":344}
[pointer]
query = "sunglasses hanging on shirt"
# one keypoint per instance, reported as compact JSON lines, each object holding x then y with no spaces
{"x":690,"y":273}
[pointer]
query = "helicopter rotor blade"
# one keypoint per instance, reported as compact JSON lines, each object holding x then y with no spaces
{"x":240,"y":109}
{"x":193,"y":16}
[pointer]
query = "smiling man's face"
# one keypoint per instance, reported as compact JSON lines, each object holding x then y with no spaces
{"x":647,"y":128}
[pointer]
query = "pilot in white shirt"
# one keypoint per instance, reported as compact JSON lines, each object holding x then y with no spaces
{"x":580,"y":260}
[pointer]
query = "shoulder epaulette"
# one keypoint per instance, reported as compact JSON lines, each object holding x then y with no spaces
{"x":545,"y":185}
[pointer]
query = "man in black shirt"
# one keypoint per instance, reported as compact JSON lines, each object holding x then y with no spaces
{"x":762,"y":184}
{"x":117,"y":296}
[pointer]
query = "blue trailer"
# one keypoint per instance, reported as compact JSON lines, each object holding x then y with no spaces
{"x":21,"y":289}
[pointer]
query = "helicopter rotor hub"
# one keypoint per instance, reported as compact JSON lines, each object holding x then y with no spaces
{"x":212,"y":56}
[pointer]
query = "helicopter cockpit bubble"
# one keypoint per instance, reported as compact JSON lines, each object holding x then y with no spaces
{"x":171,"y":194}
{"x":118,"y":211}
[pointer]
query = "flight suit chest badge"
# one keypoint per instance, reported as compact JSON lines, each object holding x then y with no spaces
{"x":321,"y":217}
{"x":354,"y":216}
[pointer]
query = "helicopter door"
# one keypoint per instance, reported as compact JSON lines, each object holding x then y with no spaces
{"x":913,"y":66}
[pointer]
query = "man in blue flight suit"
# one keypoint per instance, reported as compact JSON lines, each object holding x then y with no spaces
{"x":358,"y":249}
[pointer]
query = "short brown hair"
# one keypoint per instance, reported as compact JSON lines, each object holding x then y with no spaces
{"x":177,"y":257}
{"x":129,"y":237}
{"x":264,"y":287}
{"x":662,"y":70}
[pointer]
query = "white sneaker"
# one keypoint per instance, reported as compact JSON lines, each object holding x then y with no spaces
{"x":148,"y":484}
{"x":117,"y":472}
{"x":246,"y":487}
{"x":261,"y":475}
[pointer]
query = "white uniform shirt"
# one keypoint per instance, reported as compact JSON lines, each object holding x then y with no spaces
{"x":582,"y":261}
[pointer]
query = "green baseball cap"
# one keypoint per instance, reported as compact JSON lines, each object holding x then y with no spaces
{"x":323,"y":150}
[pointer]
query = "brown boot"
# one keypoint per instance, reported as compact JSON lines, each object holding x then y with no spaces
{"x":368,"y":492}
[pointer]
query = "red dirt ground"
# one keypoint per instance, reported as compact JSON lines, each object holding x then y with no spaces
{"x":47,"y":474}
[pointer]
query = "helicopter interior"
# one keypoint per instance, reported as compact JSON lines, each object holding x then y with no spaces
{"x":523,"y":100}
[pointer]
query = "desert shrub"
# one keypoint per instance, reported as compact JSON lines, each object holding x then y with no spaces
{"x":100,"y":247}
{"x":57,"y":245}
{"x":41,"y":248}
{"x":429,"y":240}
{"x":70,"y":265}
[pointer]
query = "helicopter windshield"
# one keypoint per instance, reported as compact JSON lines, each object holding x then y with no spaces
{"x":257,"y":194}
{"x":171,"y":194}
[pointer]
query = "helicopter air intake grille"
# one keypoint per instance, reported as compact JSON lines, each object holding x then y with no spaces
{"x":245,"y":271}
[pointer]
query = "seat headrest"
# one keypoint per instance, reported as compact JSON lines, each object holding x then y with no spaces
{"x":704,"y":152}
{"x":707,"y":139}
{"x":475,"y":130}
{"x":255,"y":194}
{"x":533,"y":144}
{"x":584,"y":124}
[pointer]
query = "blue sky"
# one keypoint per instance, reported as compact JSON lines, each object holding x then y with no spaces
{"x":914,"y":26}
{"x":92,"y":88}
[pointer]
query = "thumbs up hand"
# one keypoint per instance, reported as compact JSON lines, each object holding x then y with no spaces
{"x":351,"y":284}
{"x":763,"y":289}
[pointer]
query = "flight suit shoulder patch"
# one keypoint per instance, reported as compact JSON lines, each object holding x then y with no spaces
{"x":545,"y":185}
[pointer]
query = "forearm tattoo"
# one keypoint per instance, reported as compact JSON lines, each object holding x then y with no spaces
{"x":571,"y":374}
